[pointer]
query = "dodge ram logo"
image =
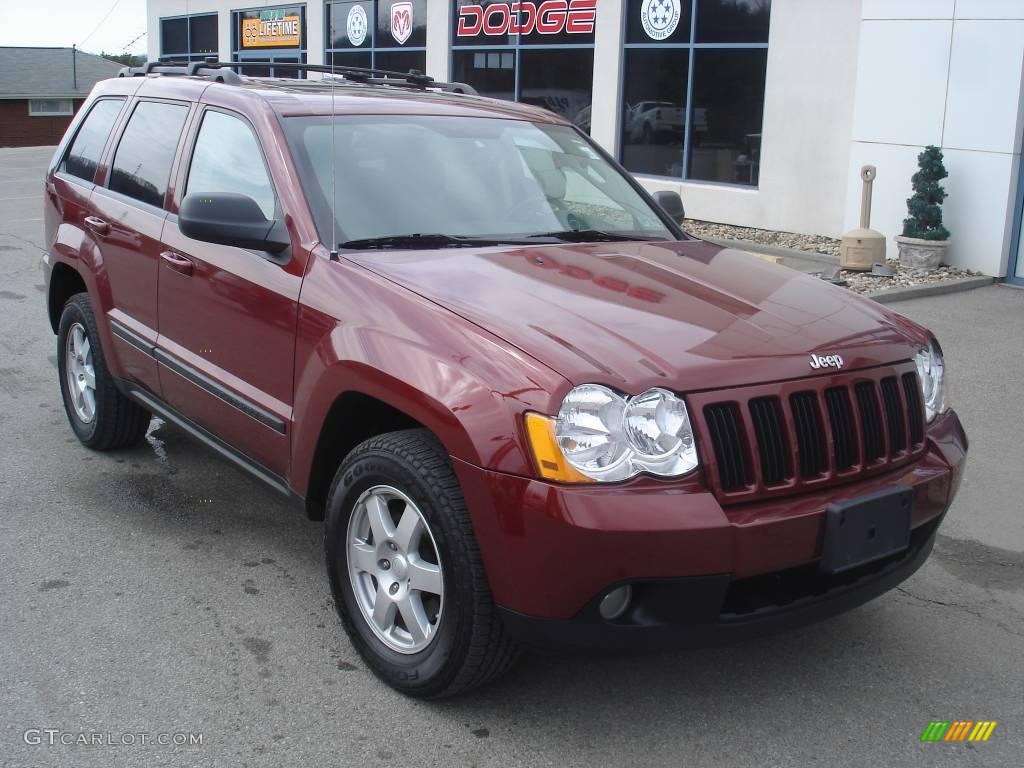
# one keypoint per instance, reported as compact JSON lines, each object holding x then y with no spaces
{"x":401,"y":21}
{"x":826,"y":361}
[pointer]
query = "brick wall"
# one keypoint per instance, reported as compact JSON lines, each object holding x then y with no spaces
{"x":17,"y":129}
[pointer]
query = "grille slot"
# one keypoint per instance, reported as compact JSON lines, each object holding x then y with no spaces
{"x":769,"y":429}
{"x":912,"y":392}
{"x":810,"y":434}
{"x":727,"y":436}
{"x":894,"y":415}
{"x":870,"y":421}
{"x":844,"y":437}
{"x":772,"y":439}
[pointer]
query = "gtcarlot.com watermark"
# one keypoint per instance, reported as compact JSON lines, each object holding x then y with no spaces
{"x":55,"y":736}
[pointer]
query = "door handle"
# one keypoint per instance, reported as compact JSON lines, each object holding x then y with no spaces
{"x":97,"y":225}
{"x":177,"y":262}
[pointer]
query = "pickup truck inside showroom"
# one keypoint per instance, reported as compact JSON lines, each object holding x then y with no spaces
{"x":532,"y":410}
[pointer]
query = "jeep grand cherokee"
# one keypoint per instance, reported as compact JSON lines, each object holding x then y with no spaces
{"x":532,"y":410}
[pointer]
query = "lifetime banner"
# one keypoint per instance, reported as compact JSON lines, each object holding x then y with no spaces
{"x":280,"y":32}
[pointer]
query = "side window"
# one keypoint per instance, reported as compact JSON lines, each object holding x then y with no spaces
{"x":84,"y":154}
{"x":142,"y":162}
{"x":227,"y":158}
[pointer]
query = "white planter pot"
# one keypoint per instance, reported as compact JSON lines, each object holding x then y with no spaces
{"x":921,"y":254}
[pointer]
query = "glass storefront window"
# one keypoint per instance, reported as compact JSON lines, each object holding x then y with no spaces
{"x":728,"y":100}
{"x":733,"y":21}
{"x":270,"y":35}
{"x":654,"y":110}
{"x":539,"y":53}
{"x":693,"y":88}
{"x":560,"y":81}
{"x":492,"y":73}
{"x":378,"y":34}
{"x":189,"y":38}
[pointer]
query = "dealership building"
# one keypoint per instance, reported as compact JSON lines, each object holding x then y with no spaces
{"x":759,"y":113}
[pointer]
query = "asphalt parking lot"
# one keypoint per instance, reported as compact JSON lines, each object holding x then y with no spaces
{"x":160,"y":591}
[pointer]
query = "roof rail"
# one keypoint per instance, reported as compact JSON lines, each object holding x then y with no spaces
{"x":225,"y":72}
{"x":170,"y":66}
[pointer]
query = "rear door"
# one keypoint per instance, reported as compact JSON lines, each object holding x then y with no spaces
{"x":127,"y":217}
{"x":228,"y":315}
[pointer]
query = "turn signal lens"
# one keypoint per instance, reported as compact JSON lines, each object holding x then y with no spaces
{"x":551,"y":463}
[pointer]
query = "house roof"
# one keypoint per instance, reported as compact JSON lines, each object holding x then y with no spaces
{"x":40,"y":73}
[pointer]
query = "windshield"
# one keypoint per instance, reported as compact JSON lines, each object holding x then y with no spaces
{"x":494,"y":179}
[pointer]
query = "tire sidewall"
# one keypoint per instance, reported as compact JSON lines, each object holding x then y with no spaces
{"x":406,"y":671}
{"x":74,"y":313}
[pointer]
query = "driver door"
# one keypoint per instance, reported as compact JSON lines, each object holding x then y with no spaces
{"x":227,"y":315}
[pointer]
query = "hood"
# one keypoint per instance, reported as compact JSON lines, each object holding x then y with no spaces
{"x":685,"y":315}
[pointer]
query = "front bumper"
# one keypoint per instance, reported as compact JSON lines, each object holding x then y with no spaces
{"x":700,"y":572}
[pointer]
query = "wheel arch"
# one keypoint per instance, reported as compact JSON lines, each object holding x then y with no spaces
{"x":353,"y":417}
{"x":65,"y":282}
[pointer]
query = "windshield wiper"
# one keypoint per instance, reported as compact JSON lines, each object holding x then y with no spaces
{"x":420,"y":240}
{"x":592,"y":236}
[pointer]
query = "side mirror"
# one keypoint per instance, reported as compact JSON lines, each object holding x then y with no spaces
{"x":672,"y":204}
{"x":228,"y":218}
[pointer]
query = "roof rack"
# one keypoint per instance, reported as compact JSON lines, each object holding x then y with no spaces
{"x":225,"y":72}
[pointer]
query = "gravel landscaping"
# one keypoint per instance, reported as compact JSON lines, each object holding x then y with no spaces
{"x":905,"y":277}
{"x":813,"y":243}
{"x":860,"y":282}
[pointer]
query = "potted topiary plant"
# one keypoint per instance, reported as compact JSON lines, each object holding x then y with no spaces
{"x":923,"y":242}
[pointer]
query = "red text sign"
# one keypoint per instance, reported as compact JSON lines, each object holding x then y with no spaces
{"x":550,"y":17}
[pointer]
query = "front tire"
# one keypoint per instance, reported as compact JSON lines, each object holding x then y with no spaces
{"x":101,"y":417}
{"x":406,"y":572}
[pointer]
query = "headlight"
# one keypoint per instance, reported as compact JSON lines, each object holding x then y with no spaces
{"x":602,"y":436}
{"x":931,"y":372}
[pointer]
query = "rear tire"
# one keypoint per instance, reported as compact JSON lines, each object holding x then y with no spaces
{"x":465,"y":645}
{"x":102,"y":418}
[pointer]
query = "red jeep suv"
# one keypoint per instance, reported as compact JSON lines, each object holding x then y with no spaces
{"x":532,"y":410}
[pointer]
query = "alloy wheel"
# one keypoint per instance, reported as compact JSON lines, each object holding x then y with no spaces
{"x":80,"y":373}
{"x":395,"y":569}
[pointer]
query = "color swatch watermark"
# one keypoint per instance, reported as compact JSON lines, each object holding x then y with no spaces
{"x":958,"y":730}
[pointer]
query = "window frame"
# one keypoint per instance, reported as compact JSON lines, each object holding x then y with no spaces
{"x":115,"y":130}
{"x":189,"y":151}
{"x":691,"y":46}
{"x":188,"y":55}
{"x":330,"y":52}
{"x":516,"y":48}
{"x":126,"y":119}
{"x":47,"y":113}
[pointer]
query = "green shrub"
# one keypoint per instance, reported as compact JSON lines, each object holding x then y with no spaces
{"x":925,"y":221}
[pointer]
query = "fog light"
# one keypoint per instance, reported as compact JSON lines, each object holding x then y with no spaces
{"x":615,"y":603}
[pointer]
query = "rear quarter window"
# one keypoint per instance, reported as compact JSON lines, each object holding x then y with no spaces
{"x":83,"y":156}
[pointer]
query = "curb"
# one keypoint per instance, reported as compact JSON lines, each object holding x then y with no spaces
{"x":889,"y":295}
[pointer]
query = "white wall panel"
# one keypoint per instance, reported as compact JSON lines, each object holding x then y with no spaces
{"x":983,"y":103}
{"x":990,"y":9}
{"x":976,"y":213}
{"x":901,"y":81}
{"x":908,"y":9}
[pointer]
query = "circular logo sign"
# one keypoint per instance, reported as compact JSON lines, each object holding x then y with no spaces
{"x":357,"y":25}
{"x":660,"y":18}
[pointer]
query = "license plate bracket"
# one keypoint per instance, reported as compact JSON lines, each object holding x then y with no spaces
{"x":866,"y":528}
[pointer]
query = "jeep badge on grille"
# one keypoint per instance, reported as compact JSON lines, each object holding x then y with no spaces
{"x":826,"y":361}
